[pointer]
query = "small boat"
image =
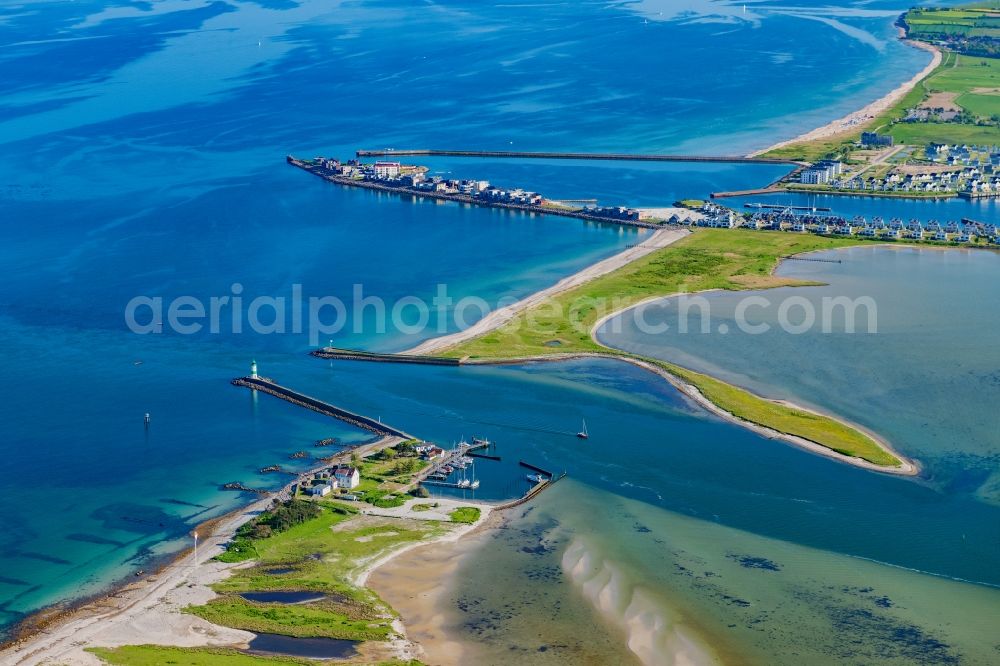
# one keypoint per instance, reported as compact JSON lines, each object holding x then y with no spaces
{"x":536,"y":478}
{"x":583,"y":433}
{"x":464,"y":483}
{"x":474,"y":484}
{"x":478,"y":441}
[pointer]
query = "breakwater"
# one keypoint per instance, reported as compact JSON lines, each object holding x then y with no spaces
{"x":530,"y":495}
{"x":404,"y":190}
{"x":296,"y":398}
{"x":355,"y":355}
{"x":620,"y":157}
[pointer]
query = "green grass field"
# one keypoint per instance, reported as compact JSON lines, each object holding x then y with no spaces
{"x":707,"y":259}
{"x":321,"y":554}
{"x":158,"y":655}
{"x":465,"y":514}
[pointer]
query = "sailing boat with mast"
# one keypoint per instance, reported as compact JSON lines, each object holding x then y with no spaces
{"x":583,"y":433}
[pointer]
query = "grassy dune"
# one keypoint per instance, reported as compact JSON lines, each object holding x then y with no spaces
{"x":827,"y":432}
{"x":321,"y":554}
{"x":707,"y":259}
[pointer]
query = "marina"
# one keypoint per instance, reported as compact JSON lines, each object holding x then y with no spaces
{"x":449,"y":468}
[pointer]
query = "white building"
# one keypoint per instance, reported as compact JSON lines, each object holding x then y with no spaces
{"x":321,"y":491}
{"x":815,"y":177}
{"x":386,"y":169}
{"x":347,"y":477}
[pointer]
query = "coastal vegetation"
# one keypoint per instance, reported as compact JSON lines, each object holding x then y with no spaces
{"x":319,"y":555}
{"x":279,"y":518}
{"x":465,"y":514}
{"x":814,"y":427}
{"x":706,"y":259}
{"x":157,"y":655}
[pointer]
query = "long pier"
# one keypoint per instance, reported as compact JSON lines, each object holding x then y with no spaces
{"x":620,"y":157}
{"x":355,"y":355}
{"x":357,"y":420}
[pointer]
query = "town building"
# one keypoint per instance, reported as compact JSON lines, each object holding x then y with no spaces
{"x":815,"y":177}
{"x":386,"y":169}
{"x":876,"y":140}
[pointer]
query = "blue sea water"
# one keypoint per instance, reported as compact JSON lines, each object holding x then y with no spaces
{"x":143,"y":155}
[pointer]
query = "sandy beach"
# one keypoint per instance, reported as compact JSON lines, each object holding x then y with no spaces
{"x":403,"y":581}
{"x":856,"y":120}
{"x":658,"y":240}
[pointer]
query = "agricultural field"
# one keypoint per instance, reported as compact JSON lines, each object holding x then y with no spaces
{"x":969,"y":82}
{"x":979,"y":21}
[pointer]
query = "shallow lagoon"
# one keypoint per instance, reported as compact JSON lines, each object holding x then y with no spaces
{"x":926,"y":379}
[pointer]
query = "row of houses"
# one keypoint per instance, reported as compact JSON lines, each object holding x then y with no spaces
{"x":395,"y":174}
{"x":615,"y":212}
{"x":895,"y":229}
{"x":970,"y":178}
{"x":963,"y":155}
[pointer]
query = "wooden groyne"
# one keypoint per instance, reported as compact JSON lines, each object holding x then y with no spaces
{"x":619,"y":157}
{"x":296,"y":398}
{"x":579,"y":214}
{"x":354,"y":355}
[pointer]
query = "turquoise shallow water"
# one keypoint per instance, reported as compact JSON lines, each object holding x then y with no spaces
{"x":143,"y":155}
